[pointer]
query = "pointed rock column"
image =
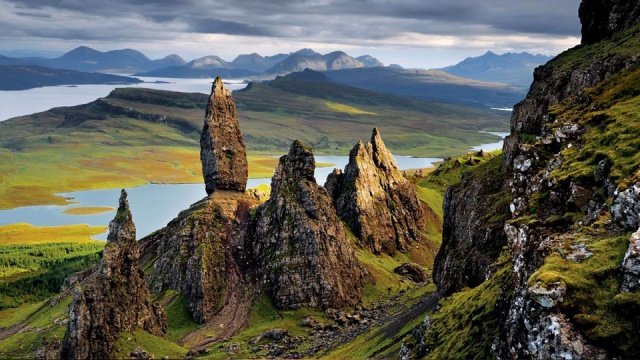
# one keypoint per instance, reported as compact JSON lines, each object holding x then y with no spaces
{"x":222,"y":149}
{"x":302,"y":254}
{"x":380,"y":206}
{"x":115,"y":299}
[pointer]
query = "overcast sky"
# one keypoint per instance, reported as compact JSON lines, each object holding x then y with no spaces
{"x":412,"y":33}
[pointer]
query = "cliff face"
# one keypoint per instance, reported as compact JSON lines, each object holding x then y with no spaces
{"x":300,"y":247}
{"x":601,"y":19}
{"x":569,"y":173}
{"x":222,"y":149}
{"x":375,"y":200}
{"x":194,"y":253}
{"x":114,"y":299}
{"x":472,"y":234}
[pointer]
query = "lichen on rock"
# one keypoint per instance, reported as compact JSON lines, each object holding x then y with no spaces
{"x":300,"y":247}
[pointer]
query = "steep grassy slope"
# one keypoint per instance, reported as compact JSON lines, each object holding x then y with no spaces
{"x":557,"y":288}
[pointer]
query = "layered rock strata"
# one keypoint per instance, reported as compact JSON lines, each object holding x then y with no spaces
{"x":114,"y":299}
{"x":222,"y":149}
{"x":379,"y":205}
{"x":300,"y":247}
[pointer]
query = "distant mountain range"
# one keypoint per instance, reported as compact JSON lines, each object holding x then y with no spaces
{"x":254,"y":65}
{"x":128,"y":61}
{"x":510,"y":68}
{"x":431,"y":85}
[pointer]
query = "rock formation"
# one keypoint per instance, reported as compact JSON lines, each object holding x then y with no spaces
{"x":472,"y":228}
{"x":222,"y":149}
{"x":379,"y":205}
{"x":114,"y":299}
{"x":300,"y":247}
{"x":195,"y":253}
{"x":558,"y":199}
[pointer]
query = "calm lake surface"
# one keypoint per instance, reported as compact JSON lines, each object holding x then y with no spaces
{"x":26,"y":102}
{"x":154,"y":205}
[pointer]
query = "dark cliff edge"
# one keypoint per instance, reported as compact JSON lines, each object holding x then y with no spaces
{"x":541,"y":252}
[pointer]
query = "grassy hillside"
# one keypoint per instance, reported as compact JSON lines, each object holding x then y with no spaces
{"x":331,"y":118}
{"x":138,"y":136}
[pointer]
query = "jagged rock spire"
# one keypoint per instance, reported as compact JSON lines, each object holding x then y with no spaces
{"x":302,"y":253}
{"x":222,"y":149}
{"x":371,"y":195}
{"x":122,"y":228}
{"x":114,"y":299}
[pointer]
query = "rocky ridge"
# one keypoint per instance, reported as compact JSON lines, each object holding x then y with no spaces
{"x":379,"y":205}
{"x":222,"y":149}
{"x":301,"y":250}
{"x":569,"y":184}
{"x":114,"y":299}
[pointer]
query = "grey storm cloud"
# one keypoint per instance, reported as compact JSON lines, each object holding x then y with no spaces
{"x":353,"y":22}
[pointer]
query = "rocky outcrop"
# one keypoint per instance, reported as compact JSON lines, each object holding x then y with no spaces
{"x":299,"y":246}
{"x":631,"y":264}
{"x":197,"y":253}
{"x":472,"y":234}
{"x":379,"y":205}
{"x":222,"y":149}
{"x":114,"y":299}
{"x":601,"y":19}
{"x":551,"y":209}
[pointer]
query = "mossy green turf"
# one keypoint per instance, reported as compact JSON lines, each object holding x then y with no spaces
{"x":593,"y":300}
{"x":614,"y":130}
{"x":42,"y":321}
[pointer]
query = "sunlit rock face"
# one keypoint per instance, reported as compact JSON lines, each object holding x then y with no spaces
{"x":301,"y":251}
{"x":222,"y":149}
{"x":380,"y":206}
{"x":114,"y":299}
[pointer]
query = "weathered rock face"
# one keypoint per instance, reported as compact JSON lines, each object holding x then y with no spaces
{"x":602,"y":19}
{"x":196,"y":253}
{"x":222,"y":149}
{"x":300,"y":247}
{"x":472,"y":234}
{"x":375,"y":200}
{"x":548,"y":203}
{"x":114,"y":299}
{"x":631,"y":264}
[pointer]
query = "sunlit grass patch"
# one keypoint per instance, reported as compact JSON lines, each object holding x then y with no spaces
{"x":23,"y":234}
{"x":88,"y":210}
{"x":347,"y":109}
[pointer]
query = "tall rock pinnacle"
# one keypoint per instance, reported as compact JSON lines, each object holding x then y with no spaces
{"x":114,"y":299}
{"x":301,"y":248}
{"x":222,"y":149}
{"x":379,"y":205}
